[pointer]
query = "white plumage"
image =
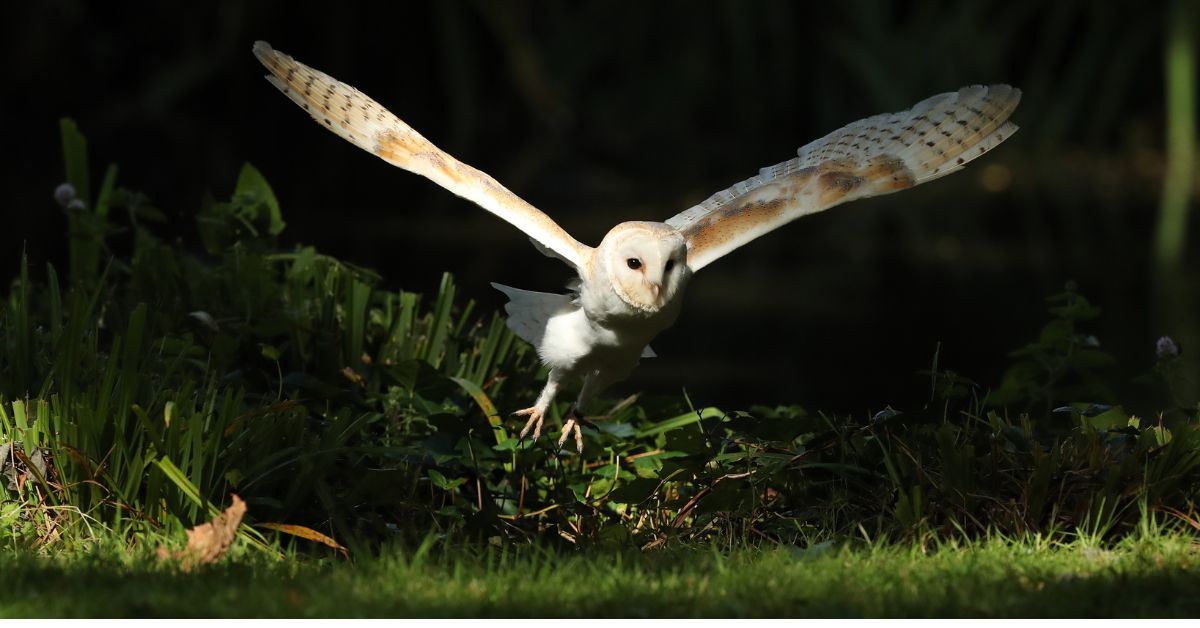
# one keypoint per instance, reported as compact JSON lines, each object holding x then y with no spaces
{"x":630,"y":286}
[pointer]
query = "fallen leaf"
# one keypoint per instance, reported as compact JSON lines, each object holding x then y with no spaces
{"x":208,"y":542}
{"x":16,"y":463}
{"x":304,"y":533}
{"x":354,"y":377}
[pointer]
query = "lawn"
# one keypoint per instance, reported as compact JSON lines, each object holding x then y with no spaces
{"x":1152,"y":576}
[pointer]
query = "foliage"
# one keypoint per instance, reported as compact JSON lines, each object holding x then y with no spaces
{"x":152,"y":382}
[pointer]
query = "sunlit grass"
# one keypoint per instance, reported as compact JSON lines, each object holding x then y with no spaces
{"x":1151,"y":575}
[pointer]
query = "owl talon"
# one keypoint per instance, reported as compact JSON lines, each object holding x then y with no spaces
{"x":565,"y":432}
{"x":574,"y":421}
{"x":535,"y":422}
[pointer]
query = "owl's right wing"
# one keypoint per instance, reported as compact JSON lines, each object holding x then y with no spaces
{"x":365,"y":123}
{"x":877,"y":155}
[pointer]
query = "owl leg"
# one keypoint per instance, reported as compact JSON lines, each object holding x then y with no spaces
{"x":592,"y":385}
{"x":537,"y":414}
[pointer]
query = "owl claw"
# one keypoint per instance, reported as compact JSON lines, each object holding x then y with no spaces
{"x":574,"y":420}
{"x":571,"y":426}
{"x":535,"y":422}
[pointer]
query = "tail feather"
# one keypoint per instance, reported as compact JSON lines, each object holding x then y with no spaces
{"x":529,"y":312}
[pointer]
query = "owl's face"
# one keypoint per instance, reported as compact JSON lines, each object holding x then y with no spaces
{"x":646,"y":264}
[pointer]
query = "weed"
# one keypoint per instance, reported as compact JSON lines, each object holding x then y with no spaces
{"x":148,"y":383}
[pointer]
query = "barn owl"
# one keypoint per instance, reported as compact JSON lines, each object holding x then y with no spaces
{"x":630,"y":287}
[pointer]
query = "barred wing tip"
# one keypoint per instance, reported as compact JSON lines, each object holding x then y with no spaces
{"x":873,"y":156}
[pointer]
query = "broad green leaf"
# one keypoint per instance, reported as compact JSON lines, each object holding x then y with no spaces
{"x":253,"y":188}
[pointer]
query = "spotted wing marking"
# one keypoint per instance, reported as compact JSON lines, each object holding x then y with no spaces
{"x":873,"y":156}
{"x":365,"y":123}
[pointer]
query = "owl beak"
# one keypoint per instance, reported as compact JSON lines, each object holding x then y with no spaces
{"x":655,"y":288}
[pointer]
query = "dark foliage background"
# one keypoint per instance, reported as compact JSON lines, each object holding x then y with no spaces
{"x":599,"y":112}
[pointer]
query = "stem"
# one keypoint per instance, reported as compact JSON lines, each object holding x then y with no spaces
{"x":1173,"y":288}
{"x":1180,"y":177}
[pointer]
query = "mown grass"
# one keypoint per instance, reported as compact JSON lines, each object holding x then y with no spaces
{"x":1147,"y":576}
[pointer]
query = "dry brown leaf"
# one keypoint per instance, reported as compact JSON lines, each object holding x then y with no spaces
{"x":305,"y":533}
{"x":208,"y":542}
{"x":354,"y":377}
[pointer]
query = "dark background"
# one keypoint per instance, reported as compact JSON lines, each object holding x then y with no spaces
{"x":599,"y":112}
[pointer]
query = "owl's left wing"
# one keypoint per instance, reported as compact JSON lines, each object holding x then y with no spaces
{"x":365,"y":123}
{"x":873,"y":156}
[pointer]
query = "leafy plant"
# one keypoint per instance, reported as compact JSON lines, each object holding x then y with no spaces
{"x":142,"y":388}
{"x":1063,"y":364}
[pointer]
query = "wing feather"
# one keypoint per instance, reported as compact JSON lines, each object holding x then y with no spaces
{"x":365,"y":123}
{"x":877,"y":155}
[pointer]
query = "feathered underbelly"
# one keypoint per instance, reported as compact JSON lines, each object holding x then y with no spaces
{"x":577,"y":345}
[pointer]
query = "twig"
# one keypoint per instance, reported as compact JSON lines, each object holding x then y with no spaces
{"x":691,"y":504}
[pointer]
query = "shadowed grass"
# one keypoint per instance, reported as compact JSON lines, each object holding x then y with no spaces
{"x":1148,"y":576}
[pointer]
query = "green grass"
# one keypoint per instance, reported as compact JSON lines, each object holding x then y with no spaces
{"x":1148,"y":576}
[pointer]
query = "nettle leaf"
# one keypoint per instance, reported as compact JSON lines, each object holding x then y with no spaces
{"x":10,"y":512}
{"x":507,"y":444}
{"x":1055,"y":331}
{"x":254,"y":195}
{"x":579,"y":490}
{"x":442,"y":482}
{"x":1075,"y":307}
{"x":269,"y":352}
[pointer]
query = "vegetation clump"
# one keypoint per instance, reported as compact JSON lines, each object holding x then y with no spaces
{"x":157,"y":377}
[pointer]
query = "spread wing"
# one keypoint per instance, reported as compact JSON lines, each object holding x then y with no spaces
{"x":876,"y":155}
{"x":365,"y":123}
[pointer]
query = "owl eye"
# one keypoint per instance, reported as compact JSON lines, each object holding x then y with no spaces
{"x":634,"y":263}
{"x":670,"y":265}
